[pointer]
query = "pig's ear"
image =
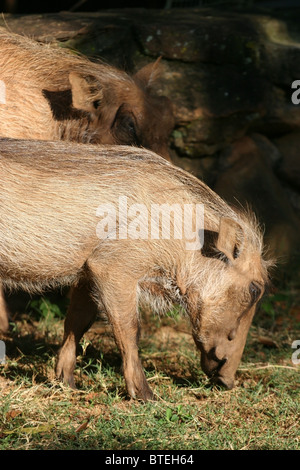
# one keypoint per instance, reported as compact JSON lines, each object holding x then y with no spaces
{"x":229,"y":238}
{"x":86,"y":95}
{"x":148,"y":74}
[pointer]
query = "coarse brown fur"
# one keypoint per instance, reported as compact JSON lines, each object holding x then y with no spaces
{"x":54,"y":94}
{"x":51,"y":239}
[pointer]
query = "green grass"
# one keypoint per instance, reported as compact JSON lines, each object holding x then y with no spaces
{"x":261,"y":412}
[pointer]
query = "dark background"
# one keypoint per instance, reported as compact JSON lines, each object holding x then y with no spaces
{"x":36,"y":6}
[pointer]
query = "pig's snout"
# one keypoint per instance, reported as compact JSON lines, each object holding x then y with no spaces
{"x":226,"y":382}
{"x":212,"y":364}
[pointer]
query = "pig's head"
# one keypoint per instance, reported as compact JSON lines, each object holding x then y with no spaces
{"x":124,"y":110}
{"x":231,"y":285}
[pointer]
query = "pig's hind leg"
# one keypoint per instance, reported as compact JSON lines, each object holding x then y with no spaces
{"x":81,"y":314}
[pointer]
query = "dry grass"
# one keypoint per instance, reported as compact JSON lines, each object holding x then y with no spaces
{"x":262,"y":412}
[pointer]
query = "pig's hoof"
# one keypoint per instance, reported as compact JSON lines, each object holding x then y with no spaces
{"x":69,"y":382}
{"x":141,"y":393}
{"x":67,"y":379}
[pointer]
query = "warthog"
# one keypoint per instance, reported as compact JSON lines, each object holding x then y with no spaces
{"x":73,"y":230}
{"x":51,"y":94}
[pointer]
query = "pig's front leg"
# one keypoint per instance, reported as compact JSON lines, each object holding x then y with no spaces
{"x":126,"y":337}
{"x":119,"y":298}
{"x":120,"y":307}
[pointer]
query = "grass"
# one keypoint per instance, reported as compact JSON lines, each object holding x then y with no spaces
{"x":261,"y":412}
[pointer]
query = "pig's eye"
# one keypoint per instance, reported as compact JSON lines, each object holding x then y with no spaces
{"x":96,"y":104}
{"x":124,"y":127}
{"x":130,"y":126}
{"x":255,"y":292}
{"x":129,"y":130}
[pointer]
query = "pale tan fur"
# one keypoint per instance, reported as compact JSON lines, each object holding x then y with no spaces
{"x":49,"y":195}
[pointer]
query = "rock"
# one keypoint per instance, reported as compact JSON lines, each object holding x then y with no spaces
{"x":293,"y":197}
{"x":289,"y":167}
{"x":203,"y":35}
{"x":212,"y":107}
{"x":269,"y":150}
{"x":247,"y":179}
{"x":203,"y":168}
